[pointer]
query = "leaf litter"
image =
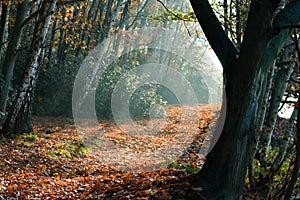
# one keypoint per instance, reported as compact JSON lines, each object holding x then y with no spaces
{"x":54,"y":162}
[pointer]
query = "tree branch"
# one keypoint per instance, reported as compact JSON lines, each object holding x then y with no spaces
{"x":283,"y":63}
{"x":138,"y":14}
{"x":174,"y":14}
{"x":277,"y":29}
{"x":28,"y":19}
{"x":289,"y":102}
{"x":288,"y":17}
{"x":216,"y":36}
{"x":294,"y":80}
{"x":69,"y":2}
{"x":22,"y":49}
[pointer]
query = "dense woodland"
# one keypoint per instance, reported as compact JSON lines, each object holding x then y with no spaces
{"x":43,"y":43}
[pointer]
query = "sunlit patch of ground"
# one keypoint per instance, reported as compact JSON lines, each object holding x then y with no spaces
{"x":152,"y":144}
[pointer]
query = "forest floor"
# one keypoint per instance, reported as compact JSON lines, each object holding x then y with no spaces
{"x":53,"y":162}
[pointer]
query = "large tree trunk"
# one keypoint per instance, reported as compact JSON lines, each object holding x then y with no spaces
{"x":19,"y":118}
{"x":222,"y":176}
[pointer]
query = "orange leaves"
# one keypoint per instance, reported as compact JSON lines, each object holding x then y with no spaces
{"x":38,"y":170}
{"x":22,"y":186}
{"x":5,"y":2}
{"x":70,"y":9}
{"x":65,"y":26}
{"x":81,"y":5}
{"x":135,"y":2}
{"x":10,"y":188}
{"x":57,"y":178}
{"x":39,"y":98}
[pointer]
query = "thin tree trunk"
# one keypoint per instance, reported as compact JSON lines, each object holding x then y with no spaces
{"x":266,"y":66}
{"x":92,"y":7}
{"x":295,"y":173}
{"x":279,"y":88}
{"x":288,"y":132}
{"x":262,"y":109}
{"x":238,"y":23}
{"x":60,"y":49}
{"x":3,"y":25}
{"x":264,"y":99}
{"x":93,"y":72}
{"x":50,"y":50}
{"x":11,"y":54}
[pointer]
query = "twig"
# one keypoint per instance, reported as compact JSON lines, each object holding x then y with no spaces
{"x":137,"y":15}
{"x":171,"y":11}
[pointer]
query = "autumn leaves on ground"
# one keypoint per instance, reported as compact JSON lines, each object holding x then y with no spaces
{"x":54,"y":162}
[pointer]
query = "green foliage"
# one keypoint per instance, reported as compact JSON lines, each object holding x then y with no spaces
{"x":140,"y":101}
{"x":189,"y":169}
{"x":149,"y":94}
{"x":57,"y":99}
{"x":280,"y":175}
{"x":175,"y":15}
{"x":68,"y":149}
{"x":26,"y":140}
{"x":143,"y":99}
{"x":3,"y":140}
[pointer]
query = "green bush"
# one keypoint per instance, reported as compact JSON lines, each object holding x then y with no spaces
{"x":54,"y":88}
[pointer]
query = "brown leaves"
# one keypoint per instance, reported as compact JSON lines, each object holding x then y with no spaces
{"x":36,"y":165}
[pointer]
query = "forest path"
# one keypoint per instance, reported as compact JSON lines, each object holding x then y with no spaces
{"x":54,"y":162}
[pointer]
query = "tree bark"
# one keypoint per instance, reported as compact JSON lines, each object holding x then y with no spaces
{"x":11,"y":54}
{"x":50,"y":50}
{"x":19,"y":118}
{"x":295,"y":172}
{"x":280,"y":86}
{"x":267,"y":65}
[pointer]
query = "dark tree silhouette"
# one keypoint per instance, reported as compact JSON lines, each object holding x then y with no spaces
{"x":245,"y":69}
